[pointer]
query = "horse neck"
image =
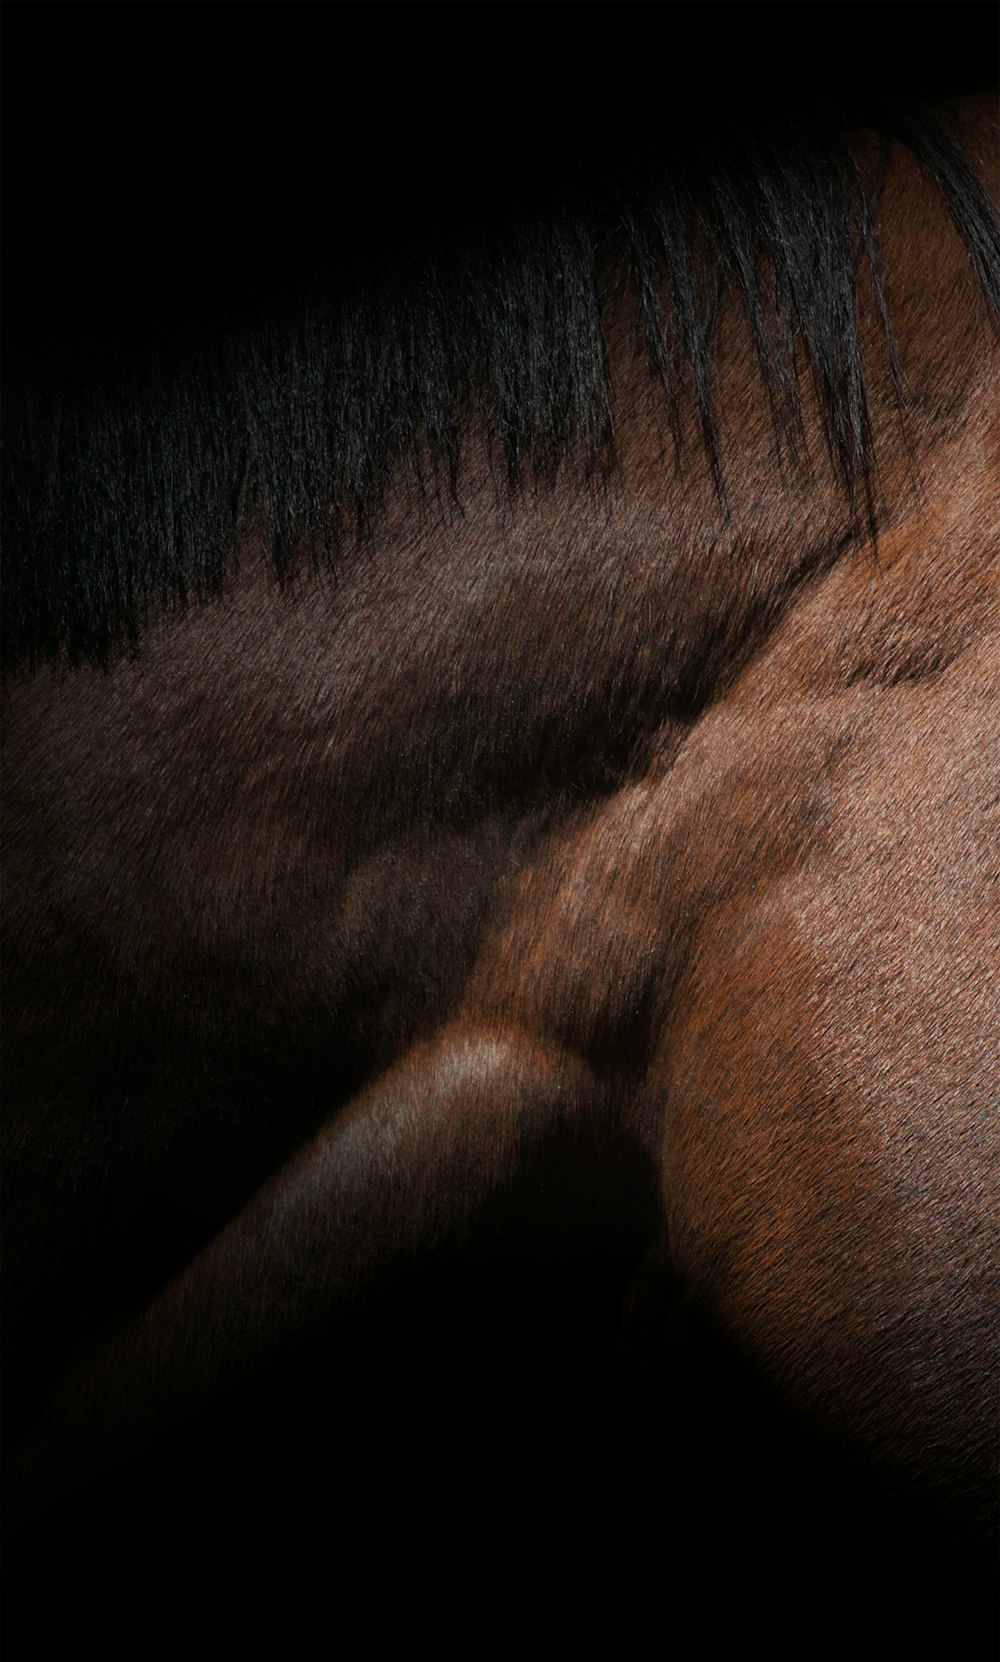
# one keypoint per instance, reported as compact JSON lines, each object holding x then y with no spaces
{"x":471,"y":676}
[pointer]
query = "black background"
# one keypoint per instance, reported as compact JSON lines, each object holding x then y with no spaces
{"x":163,"y":149}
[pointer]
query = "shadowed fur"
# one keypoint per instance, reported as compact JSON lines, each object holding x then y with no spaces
{"x":546,"y":884}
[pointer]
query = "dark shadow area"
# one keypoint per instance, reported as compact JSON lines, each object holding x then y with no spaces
{"x":501,"y":1463}
{"x":263,"y":137}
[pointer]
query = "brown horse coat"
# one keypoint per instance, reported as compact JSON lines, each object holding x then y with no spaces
{"x":723,"y":935}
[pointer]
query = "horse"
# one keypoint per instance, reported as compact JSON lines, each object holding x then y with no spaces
{"x":498,"y":736}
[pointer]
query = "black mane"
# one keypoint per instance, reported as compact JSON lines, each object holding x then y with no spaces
{"x":149,"y":427}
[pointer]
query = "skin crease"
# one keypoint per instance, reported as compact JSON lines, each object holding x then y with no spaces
{"x":617,"y":809}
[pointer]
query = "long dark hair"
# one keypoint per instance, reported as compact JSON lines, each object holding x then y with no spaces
{"x":223,"y":375}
